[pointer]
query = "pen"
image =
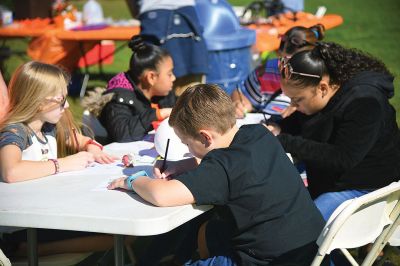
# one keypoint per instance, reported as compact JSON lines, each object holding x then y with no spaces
{"x":165,"y":158}
{"x":265,"y":118}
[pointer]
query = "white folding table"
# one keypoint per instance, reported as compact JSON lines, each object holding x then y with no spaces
{"x":79,"y":201}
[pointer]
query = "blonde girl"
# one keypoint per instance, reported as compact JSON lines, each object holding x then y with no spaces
{"x":37,"y":120}
{"x":39,"y":138}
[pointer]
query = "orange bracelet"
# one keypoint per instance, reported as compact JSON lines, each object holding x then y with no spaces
{"x":93,"y":142}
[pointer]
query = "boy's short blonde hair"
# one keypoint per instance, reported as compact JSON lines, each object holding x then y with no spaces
{"x":203,"y":106}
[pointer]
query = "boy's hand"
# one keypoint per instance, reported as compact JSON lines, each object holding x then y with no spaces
{"x":118,"y":183}
{"x":173,"y":168}
{"x":157,"y":169}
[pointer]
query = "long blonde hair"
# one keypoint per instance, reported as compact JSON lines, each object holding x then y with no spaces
{"x":29,"y":86}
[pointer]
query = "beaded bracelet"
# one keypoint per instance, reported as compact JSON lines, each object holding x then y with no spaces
{"x":131,"y":178}
{"x":93,"y":142}
{"x":56,"y":166}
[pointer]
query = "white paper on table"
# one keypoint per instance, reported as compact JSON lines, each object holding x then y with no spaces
{"x":251,"y":118}
{"x":141,"y":148}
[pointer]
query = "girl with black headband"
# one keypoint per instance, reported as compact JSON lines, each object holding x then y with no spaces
{"x":260,"y":91}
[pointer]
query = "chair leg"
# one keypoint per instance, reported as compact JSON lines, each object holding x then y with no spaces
{"x":318,"y":260}
{"x":349,"y":257}
{"x":4,"y":261}
{"x":84,"y":85}
{"x":381,"y":241}
{"x":131,"y":254}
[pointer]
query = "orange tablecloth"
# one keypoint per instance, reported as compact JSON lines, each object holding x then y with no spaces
{"x":268,"y":34}
{"x":57,"y":46}
{"x":109,"y":33}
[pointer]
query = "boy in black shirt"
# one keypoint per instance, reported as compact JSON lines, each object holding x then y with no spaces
{"x":266,"y":213}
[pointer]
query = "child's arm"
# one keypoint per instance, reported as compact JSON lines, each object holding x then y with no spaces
{"x":159,"y":192}
{"x":14,"y":169}
{"x":3,"y":97}
{"x":95,"y":148}
{"x":242,"y":104}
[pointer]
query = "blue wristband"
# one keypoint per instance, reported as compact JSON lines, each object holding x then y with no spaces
{"x":133,"y":177}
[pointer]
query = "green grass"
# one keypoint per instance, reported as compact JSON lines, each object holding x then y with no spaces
{"x":369,"y":25}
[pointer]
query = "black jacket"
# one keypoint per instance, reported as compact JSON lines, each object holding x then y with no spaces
{"x":128,"y":116}
{"x":353,"y":143}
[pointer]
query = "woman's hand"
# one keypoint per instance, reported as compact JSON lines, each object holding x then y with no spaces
{"x":77,"y":161}
{"x":274,"y":128}
{"x":288,"y":111}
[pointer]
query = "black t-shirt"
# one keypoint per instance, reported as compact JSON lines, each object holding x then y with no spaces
{"x":259,"y":194}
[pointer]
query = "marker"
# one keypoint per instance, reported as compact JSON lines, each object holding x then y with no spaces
{"x":165,"y":158}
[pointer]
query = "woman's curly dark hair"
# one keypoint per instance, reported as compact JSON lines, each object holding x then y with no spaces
{"x":339,"y":63}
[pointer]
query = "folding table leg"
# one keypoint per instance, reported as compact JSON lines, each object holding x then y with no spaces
{"x":32,"y":247}
{"x":119,"y":250}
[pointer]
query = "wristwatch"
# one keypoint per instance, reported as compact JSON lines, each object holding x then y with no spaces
{"x":131,"y":178}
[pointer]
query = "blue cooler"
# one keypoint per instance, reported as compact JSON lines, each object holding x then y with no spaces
{"x":228,"y":44}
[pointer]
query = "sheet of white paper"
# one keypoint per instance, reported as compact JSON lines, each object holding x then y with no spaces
{"x":251,"y":118}
{"x":140,"y":147}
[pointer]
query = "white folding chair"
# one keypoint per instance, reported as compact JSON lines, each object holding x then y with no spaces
{"x":392,"y":238}
{"x":4,"y":261}
{"x":100,"y":133}
{"x":360,"y":221}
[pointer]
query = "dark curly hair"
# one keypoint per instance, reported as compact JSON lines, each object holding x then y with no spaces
{"x":145,"y":55}
{"x":339,"y":63}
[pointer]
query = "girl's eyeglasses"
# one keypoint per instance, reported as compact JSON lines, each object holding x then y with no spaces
{"x":287,"y":70}
{"x":61,"y":103}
